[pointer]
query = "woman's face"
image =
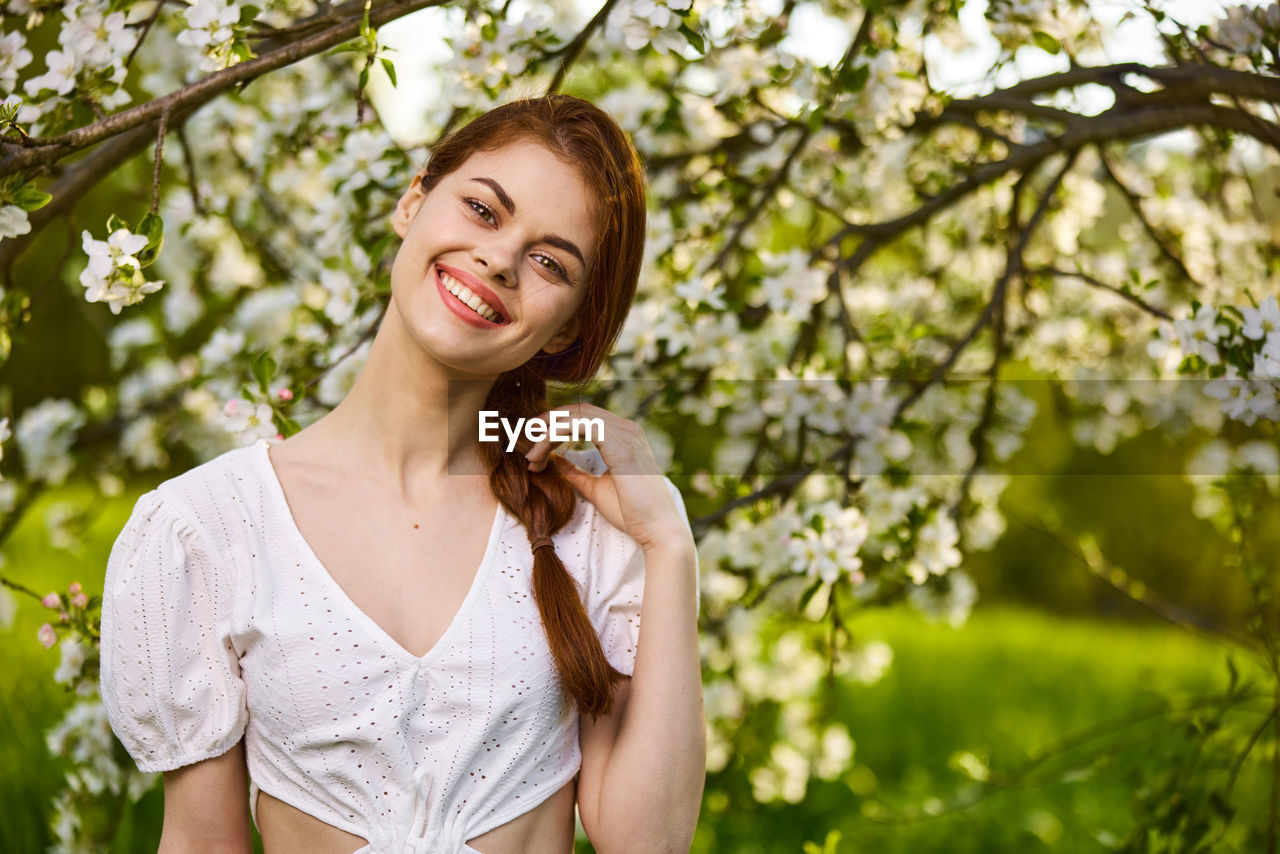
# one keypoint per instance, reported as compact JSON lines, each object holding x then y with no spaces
{"x":493,"y":265}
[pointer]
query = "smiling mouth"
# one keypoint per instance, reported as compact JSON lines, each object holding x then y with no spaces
{"x":469,"y":299}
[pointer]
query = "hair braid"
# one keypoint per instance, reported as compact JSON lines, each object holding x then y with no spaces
{"x":544,"y":502}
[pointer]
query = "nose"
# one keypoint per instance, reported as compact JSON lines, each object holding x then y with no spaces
{"x":499,"y":260}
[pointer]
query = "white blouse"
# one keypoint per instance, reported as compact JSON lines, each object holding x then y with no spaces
{"x":219,"y":622}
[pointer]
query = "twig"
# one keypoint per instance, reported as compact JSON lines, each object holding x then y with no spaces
{"x":1135,"y":205}
{"x":573,"y":49}
{"x":146,"y":29}
{"x":1013,"y":266}
{"x":189,"y":163}
{"x":1146,"y":597}
{"x":1098,"y":283}
{"x":155,"y":174}
{"x":1235,"y":772}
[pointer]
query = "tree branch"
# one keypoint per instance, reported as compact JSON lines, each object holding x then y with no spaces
{"x":42,"y":152}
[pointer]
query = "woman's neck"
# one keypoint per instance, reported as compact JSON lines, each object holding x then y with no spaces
{"x":409,"y":420}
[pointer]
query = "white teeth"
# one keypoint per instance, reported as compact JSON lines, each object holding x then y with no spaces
{"x":469,"y":299}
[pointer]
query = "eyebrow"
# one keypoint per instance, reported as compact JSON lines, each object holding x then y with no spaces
{"x":554,"y":239}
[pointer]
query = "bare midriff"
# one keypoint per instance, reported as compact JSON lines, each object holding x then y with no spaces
{"x":548,"y":827}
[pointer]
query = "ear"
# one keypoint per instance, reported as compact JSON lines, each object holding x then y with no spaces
{"x":408,"y":206}
{"x":562,"y":339}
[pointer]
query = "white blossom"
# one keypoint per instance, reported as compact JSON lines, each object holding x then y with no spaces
{"x":113,"y":274}
{"x":13,"y":221}
{"x":210,"y":26}
{"x":96,"y":37}
{"x":1199,"y":334}
{"x":953,"y":606}
{"x":362,"y":160}
{"x":637,"y":23}
{"x":45,"y":434}
{"x":1261,"y":321}
{"x":249,"y":421}
{"x":793,"y":286}
{"x":1241,"y":30}
{"x":59,"y":77}
{"x":13,"y":56}
{"x":223,"y":345}
{"x":73,"y":658}
{"x":935,"y":548}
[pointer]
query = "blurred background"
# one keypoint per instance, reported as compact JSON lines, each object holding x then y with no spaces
{"x":1049,"y":626}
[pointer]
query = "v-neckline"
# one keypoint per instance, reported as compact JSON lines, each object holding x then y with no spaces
{"x":442,"y":644}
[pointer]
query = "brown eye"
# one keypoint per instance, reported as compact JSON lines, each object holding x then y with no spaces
{"x":555,"y":266}
{"x":481,"y":209}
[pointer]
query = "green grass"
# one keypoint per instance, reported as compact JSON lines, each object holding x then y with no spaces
{"x":1009,"y":683}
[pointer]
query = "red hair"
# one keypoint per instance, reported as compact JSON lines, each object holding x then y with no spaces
{"x":588,"y":139}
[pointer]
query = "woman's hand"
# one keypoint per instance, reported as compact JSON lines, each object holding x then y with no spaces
{"x":632,"y":494}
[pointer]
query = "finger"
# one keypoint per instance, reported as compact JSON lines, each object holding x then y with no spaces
{"x":583,"y":481}
{"x":540,"y":451}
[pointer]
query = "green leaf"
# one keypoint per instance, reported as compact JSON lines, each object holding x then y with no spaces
{"x":810,"y":593}
{"x":364,"y":77}
{"x":287,"y":425}
{"x":29,"y":198}
{"x":693,"y":37}
{"x":854,"y":79}
{"x":247,"y":15}
{"x":815,"y":120}
{"x":264,"y":368}
{"x":1046,"y":42}
{"x":350,"y":47}
{"x":152,"y":227}
{"x":1192,"y":364}
{"x":389,"y":67}
{"x":115,"y":223}
{"x":380,"y":247}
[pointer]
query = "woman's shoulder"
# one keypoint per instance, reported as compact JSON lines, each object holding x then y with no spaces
{"x":206,"y":494}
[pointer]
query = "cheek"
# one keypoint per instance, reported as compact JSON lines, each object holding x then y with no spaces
{"x":555,"y":304}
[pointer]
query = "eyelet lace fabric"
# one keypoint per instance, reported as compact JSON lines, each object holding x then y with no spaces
{"x":219,"y":623}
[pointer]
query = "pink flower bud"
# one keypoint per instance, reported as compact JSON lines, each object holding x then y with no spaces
{"x":80,"y":600}
{"x":285,"y":394}
{"x":279,"y":436}
{"x":51,"y":600}
{"x":232,"y":407}
{"x":46,"y":636}
{"x":75,"y":587}
{"x":64,"y":617}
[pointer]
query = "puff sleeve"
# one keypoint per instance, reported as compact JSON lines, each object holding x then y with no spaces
{"x":617,"y":588}
{"x":170,"y":676}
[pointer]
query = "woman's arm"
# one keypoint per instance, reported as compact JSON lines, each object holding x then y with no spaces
{"x":644,"y":765}
{"x":206,"y":807}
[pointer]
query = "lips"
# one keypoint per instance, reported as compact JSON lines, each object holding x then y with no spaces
{"x":468,"y":292}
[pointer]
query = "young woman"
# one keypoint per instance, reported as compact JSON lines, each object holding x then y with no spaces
{"x":311,"y":612}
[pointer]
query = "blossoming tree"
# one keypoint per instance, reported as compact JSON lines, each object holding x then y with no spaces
{"x":832,"y":245}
